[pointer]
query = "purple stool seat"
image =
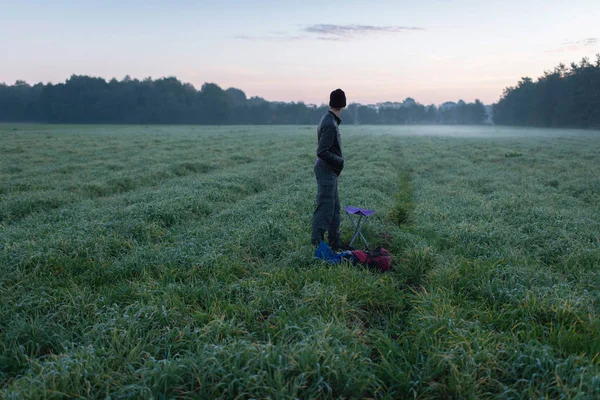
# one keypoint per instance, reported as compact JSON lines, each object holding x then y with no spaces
{"x":359,"y":211}
{"x":363,"y":214}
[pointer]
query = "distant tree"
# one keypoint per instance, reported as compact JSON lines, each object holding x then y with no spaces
{"x":447,"y":113}
{"x":475,"y":113}
{"x":236,"y":97}
{"x":16,"y":101}
{"x":409,"y":102}
{"x":366,"y":115}
{"x":351,"y":113}
{"x":431,"y":114}
{"x":564,"y":97}
{"x":214,"y":102}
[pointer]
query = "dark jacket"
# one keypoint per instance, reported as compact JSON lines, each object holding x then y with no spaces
{"x":329,"y":149}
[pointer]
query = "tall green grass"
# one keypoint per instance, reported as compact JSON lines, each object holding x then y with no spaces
{"x":163,"y":262}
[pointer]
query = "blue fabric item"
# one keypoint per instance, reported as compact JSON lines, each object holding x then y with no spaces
{"x":324,"y":252}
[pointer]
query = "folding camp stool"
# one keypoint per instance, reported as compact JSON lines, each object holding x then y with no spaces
{"x":363,"y":216}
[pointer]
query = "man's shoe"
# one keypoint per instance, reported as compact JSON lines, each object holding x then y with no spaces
{"x":341,"y":246}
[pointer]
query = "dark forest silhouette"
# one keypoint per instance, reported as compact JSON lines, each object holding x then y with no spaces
{"x":84,"y":99}
{"x":564,"y":97}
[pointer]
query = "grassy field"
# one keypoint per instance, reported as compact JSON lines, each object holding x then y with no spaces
{"x":161,"y":262}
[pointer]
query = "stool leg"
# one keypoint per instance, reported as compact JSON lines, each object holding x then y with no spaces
{"x":363,"y":238}
{"x":360,"y":233}
{"x":356,"y":228}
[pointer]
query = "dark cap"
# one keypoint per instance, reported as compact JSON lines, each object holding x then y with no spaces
{"x":337,"y":99}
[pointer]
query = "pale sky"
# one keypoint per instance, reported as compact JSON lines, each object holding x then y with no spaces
{"x":431,"y":50}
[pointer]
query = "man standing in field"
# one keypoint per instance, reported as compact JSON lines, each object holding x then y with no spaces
{"x":328,"y":168}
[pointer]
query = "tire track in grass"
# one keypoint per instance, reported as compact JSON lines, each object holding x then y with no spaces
{"x":403,"y":201}
{"x":21,"y":201}
{"x":138,"y":219}
{"x":14,"y":209}
{"x":411,"y":255}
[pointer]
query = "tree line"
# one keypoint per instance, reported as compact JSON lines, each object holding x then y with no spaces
{"x":564,"y":97}
{"x":85,"y":99}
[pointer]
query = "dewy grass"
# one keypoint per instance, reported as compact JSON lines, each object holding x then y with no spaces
{"x":162,"y":262}
{"x":403,"y":206}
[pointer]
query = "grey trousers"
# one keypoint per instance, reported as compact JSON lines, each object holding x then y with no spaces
{"x":326,"y":217}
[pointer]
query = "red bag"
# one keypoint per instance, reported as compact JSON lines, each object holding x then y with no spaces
{"x":378,"y":259}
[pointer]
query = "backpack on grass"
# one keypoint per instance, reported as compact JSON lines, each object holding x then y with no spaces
{"x":378,"y":259}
